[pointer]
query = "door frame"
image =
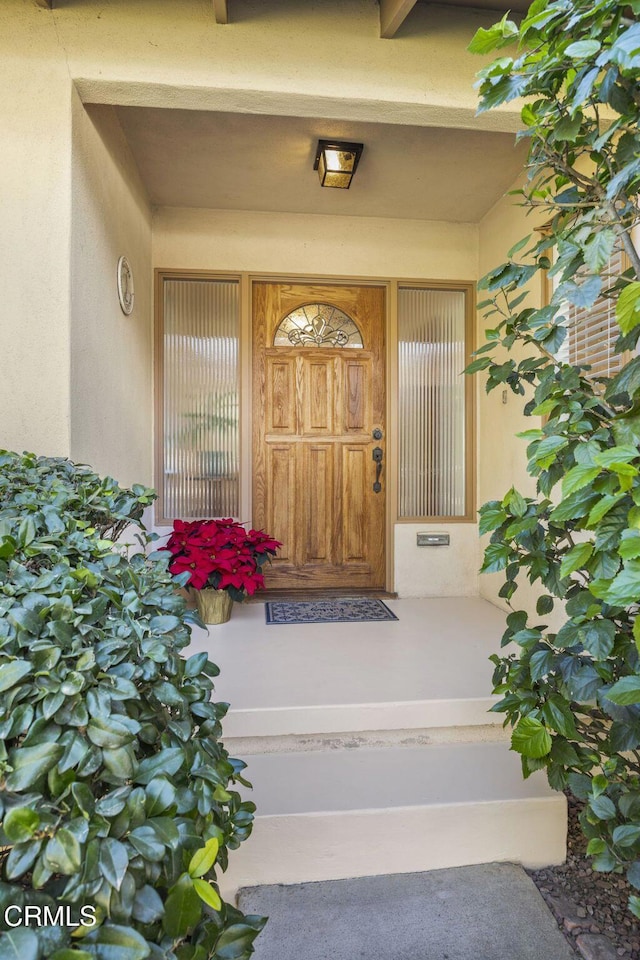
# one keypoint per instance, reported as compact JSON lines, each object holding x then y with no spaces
{"x":246,"y":279}
{"x":246,"y":416}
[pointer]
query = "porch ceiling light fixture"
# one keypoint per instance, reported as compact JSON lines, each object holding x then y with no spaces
{"x":336,"y":162}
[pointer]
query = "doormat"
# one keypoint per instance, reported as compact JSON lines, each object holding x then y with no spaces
{"x":334,"y":610}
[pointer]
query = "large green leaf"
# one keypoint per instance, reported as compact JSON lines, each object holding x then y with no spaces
{"x":598,"y":637}
{"x":203,"y":860}
{"x":12,"y":672}
{"x":575,"y":558}
{"x":624,"y":589}
{"x":108,"y":732}
{"x":20,"y":824}
{"x":167,"y":762}
{"x":20,"y":943}
{"x":113,"y":860}
{"x":207,"y":894}
{"x":182,"y":909}
{"x":558,"y":716}
{"x":578,"y":477}
{"x":496,"y":557}
{"x":147,"y":905}
{"x":603,"y":807}
{"x":625,"y":691}
{"x":118,"y":943}
{"x":63,"y":853}
{"x":160,"y":795}
{"x":31,"y":763}
{"x":145,"y":840}
{"x":531,"y":738}
{"x":628,"y":307}
{"x":235,"y":941}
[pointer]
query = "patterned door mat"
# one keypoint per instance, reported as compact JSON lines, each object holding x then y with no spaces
{"x":333,"y":610}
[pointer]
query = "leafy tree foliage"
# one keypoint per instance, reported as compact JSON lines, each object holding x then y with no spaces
{"x":115,"y":789}
{"x":573,"y":695}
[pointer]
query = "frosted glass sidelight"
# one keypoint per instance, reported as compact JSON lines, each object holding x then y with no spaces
{"x":431,"y":402}
{"x":201,"y":398}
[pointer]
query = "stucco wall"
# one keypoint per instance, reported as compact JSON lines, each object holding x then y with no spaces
{"x":350,"y":247}
{"x":322,"y":58}
{"x":316,"y":245}
{"x":35,"y":120}
{"x":502,"y":460}
{"x":111,"y":354}
{"x":437,"y":571}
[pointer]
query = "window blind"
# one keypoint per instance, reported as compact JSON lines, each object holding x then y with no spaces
{"x":592,"y":333}
{"x":431,"y":402}
{"x":201,"y":398}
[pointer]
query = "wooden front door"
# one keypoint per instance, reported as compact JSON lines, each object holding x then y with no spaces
{"x":319,"y":396}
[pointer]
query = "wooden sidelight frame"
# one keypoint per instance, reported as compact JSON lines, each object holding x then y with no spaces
{"x":391,"y":286}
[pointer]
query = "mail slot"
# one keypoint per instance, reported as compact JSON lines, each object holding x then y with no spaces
{"x":433,"y":539}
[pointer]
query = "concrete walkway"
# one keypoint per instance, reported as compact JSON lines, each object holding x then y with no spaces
{"x":486,"y":912}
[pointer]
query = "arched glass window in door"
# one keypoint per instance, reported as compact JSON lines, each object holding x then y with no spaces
{"x":317,"y":325}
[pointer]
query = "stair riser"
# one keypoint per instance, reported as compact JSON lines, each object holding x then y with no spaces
{"x":332,"y":846}
{"x":359,"y":717}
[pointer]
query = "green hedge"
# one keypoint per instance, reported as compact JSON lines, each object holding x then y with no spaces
{"x":116,"y":790}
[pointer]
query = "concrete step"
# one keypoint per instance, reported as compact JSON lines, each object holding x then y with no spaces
{"x":489,"y":912}
{"x":362,"y":812}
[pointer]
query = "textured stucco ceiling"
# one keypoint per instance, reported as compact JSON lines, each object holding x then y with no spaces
{"x":252,"y":162}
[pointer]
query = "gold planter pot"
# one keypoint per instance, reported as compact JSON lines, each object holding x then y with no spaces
{"x":214,"y":606}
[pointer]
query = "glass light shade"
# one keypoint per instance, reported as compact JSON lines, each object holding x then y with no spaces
{"x":336,"y":163}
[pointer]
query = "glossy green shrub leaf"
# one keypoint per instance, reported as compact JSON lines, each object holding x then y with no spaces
{"x":19,"y":944}
{"x":203,"y":860}
{"x":30,"y":764}
{"x":20,"y":824}
{"x":11,"y":673}
{"x":113,"y":861}
{"x":183,"y":908}
{"x":207,"y":894}
{"x":117,"y":943}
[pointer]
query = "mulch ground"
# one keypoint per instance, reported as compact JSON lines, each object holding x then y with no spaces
{"x":587,"y":903}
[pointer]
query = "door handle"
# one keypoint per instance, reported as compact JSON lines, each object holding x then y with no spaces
{"x":377,"y":455}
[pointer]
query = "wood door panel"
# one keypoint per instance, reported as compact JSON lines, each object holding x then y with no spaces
{"x":282,"y":512}
{"x":319,"y":503}
{"x":280,"y":409}
{"x":314,"y":412}
{"x":318,"y":378}
{"x":355,"y":529}
{"x":357,"y":398}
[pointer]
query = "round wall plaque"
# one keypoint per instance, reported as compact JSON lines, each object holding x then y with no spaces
{"x":125,"y":286}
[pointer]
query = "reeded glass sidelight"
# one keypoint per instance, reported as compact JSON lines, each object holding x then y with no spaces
{"x":431,"y":402}
{"x":200,"y":343}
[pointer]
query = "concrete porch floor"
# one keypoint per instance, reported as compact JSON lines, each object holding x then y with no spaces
{"x":430,"y":668}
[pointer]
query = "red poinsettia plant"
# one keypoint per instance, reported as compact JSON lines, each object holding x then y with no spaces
{"x":220,"y":554}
